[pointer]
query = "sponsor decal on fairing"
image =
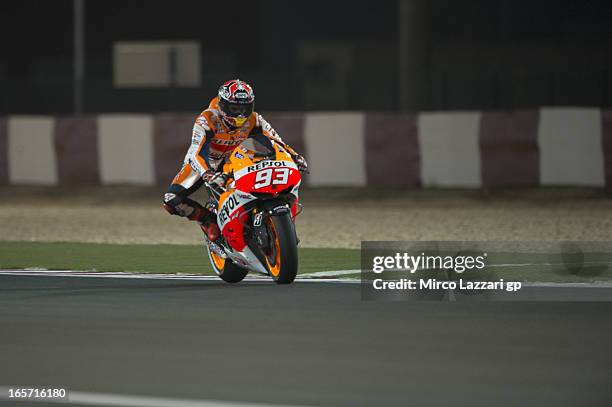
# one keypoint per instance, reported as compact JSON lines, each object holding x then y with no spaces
{"x":264,"y":165}
{"x":231,"y":206}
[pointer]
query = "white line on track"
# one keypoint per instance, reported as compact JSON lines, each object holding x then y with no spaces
{"x":584,"y":263}
{"x":156,"y":276}
{"x":347,"y":272}
{"x":117,"y":400}
{"x":304,"y":278}
{"x":330,"y":273}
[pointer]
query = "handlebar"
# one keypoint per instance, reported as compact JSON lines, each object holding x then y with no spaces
{"x":216,"y":187}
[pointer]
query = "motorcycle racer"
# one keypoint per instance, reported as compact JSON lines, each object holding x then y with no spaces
{"x":228,"y":120}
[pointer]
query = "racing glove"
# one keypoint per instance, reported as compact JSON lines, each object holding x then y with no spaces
{"x":301,"y":163}
{"x":215,"y":178}
{"x":209,"y":175}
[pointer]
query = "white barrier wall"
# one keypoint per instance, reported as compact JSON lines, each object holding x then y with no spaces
{"x":31,"y":150}
{"x":450,"y":154}
{"x":335,"y":148}
{"x":125,"y":149}
{"x":550,"y":146}
{"x":570,"y":141}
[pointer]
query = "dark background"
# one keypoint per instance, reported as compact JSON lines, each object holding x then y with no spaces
{"x":472,"y":54}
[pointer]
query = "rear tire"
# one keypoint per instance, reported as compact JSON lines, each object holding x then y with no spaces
{"x":285,"y":243}
{"x":226,"y":269}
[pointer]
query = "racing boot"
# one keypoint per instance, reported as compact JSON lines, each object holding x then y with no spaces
{"x":208,"y":222}
{"x":210,"y":227}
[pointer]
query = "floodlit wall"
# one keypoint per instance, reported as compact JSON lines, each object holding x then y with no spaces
{"x":528,"y":148}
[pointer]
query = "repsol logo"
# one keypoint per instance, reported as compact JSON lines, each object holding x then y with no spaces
{"x":228,"y":207}
{"x":265,"y":164}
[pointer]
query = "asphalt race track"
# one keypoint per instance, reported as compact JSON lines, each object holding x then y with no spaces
{"x":305,"y":344}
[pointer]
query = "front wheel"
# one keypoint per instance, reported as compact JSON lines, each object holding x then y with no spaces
{"x":225,"y":268}
{"x":282,"y":256}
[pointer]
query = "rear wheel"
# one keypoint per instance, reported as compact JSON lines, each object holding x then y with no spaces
{"x":282,"y":256}
{"x":225,"y":269}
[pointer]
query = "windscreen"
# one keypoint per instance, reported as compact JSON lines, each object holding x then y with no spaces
{"x":257,"y":149}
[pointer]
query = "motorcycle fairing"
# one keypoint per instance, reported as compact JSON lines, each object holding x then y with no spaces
{"x":247,"y":259}
{"x":231,"y":216}
{"x":263,"y":165}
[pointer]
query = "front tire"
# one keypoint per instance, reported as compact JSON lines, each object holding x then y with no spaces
{"x":282,"y":259}
{"x":225,"y":268}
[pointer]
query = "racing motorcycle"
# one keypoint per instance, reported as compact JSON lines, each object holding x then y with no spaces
{"x":255,"y":198}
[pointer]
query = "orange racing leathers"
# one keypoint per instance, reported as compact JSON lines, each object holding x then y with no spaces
{"x":211,"y":142}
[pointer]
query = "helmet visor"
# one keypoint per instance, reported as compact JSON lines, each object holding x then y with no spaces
{"x":235,"y":109}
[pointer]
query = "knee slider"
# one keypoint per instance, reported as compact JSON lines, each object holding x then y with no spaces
{"x":174,"y":204}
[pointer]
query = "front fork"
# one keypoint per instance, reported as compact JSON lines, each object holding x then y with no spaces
{"x":274,"y":207}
